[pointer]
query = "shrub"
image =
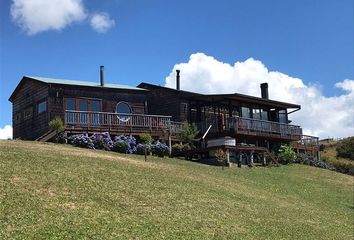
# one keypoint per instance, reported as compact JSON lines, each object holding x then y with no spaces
{"x":220,"y":156}
{"x":102,"y":141}
{"x":61,"y":138}
{"x":160,"y":149}
{"x":120,"y":146}
{"x":189,"y":134}
{"x":345,"y":148}
{"x":286,"y":154}
{"x":81,"y":140}
{"x":140,"y":149}
{"x":124,"y":144}
{"x":341,"y":165}
{"x":56,"y":124}
{"x":178,"y":149}
{"x":145,"y":138}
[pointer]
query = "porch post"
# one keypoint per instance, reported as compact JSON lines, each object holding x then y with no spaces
{"x":251,"y":158}
{"x":228,"y":157}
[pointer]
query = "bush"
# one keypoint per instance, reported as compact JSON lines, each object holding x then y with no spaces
{"x":81,"y":140}
{"x":102,"y":141}
{"x":178,"y":149}
{"x":145,"y":138}
{"x":345,"y":148}
{"x":140,"y":149}
{"x":120,"y":146}
{"x":124,"y":144}
{"x":56,"y":124}
{"x":220,"y":156}
{"x":286,"y":154}
{"x":61,"y":138}
{"x":160,"y":149}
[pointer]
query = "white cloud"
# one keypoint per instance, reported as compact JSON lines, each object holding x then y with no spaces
{"x":321,"y":116}
{"x":6,"y":132}
{"x":35,"y":16}
{"x":101,"y":22}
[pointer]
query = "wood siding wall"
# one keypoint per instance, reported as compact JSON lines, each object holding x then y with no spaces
{"x":161,"y":102}
{"x":30,"y":94}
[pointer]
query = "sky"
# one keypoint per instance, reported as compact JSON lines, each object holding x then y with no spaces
{"x":303,"y":49}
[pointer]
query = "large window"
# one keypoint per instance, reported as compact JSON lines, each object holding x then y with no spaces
{"x":264,"y":114}
{"x":282,"y":116}
{"x":256,"y":113}
{"x":89,"y":110}
{"x":42,"y":107}
{"x":246,"y":112}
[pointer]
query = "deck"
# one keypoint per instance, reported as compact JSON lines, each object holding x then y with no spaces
{"x":253,"y":127}
{"x":120,"y":123}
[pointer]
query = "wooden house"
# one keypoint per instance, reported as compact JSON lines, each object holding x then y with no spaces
{"x":88,"y":107}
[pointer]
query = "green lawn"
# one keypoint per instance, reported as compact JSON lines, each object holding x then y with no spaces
{"x":53,"y":191}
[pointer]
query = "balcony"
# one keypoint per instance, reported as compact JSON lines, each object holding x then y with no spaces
{"x":254,"y":127}
{"x":118,"y":123}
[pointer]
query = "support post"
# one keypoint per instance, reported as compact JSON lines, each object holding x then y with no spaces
{"x":228,"y":157}
{"x":251,"y":159}
{"x":239,"y":162}
{"x":264,"y":160}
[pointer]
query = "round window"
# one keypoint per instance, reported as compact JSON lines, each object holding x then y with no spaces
{"x":123,"y":109}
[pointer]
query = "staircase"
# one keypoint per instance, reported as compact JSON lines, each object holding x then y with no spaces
{"x":47,"y":136}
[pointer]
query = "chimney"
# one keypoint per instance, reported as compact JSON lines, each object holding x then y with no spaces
{"x":264,"y":90}
{"x":102,"y":76}
{"x":177,"y":79}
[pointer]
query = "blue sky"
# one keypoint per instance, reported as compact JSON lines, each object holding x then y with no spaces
{"x":140,"y":40}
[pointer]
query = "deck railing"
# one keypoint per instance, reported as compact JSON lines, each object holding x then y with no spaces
{"x":253,"y":126}
{"x":88,"y":119}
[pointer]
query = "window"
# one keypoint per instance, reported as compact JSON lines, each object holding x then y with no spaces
{"x":27,"y":114}
{"x":70,"y":104}
{"x":245,"y":111}
{"x":124,"y":108}
{"x":17,"y":117}
{"x":282,"y":116}
{"x":256,"y":113}
{"x":42,"y":107}
{"x":264,"y":114}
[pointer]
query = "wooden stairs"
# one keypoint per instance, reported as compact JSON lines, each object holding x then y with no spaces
{"x":47,"y":136}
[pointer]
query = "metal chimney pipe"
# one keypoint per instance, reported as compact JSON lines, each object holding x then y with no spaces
{"x":264,"y":90}
{"x":102,"y":76}
{"x":178,"y":79}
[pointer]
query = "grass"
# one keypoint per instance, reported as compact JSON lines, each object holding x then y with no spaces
{"x":53,"y":191}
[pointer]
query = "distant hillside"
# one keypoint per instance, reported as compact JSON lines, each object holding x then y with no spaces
{"x":329,"y":154}
{"x":53,"y":191}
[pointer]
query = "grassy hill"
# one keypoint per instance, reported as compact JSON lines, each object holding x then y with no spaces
{"x":53,"y":191}
{"x":329,"y":154}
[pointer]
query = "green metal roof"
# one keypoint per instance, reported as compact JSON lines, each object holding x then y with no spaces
{"x":83,"y":83}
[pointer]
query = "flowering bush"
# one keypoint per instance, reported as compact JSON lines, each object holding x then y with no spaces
{"x":102,"y":141}
{"x":81,"y":140}
{"x":140,"y":149}
{"x":309,"y":160}
{"x":160,"y":149}
{"x":124,"y":144}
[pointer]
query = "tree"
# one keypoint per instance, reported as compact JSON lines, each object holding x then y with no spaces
{"x":189,"y":134}
{"x":57,"y":124}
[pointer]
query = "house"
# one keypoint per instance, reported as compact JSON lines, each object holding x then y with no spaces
{"x":88,"y":107}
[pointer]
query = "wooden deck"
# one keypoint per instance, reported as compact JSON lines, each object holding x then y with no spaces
{"x":114,"y":123}
{"x":253,"y":128}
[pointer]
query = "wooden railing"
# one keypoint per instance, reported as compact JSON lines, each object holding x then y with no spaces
{"x":306,"y":141}
{"x":253,"y":126}
{"x":87,"y":119}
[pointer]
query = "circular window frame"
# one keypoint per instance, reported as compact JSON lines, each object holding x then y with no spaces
{"x":123,"y":118}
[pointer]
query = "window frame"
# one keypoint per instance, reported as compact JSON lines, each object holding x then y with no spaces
{"x":38,"y":106}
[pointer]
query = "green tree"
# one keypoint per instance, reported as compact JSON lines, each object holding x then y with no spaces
{"x":189,"y":134}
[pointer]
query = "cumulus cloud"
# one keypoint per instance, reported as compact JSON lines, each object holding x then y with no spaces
{"x":101,"y":22}
{"x":6,"y":132}
{"x":35,"y":16}
{"x":321,"y":116}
